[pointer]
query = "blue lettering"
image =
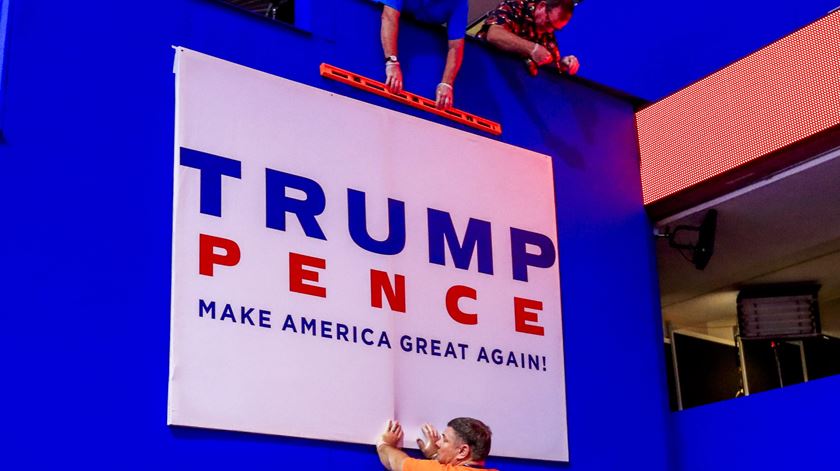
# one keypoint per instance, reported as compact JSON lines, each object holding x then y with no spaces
{"x":477,"y":236}
{"x":497,"y":356}
{"x":341,"y":332}
{"x":289,"y":324}
{"x":307,"y":325}
{"x":277,"y":204}
{"x":521,"y":259}
{"x":357,"y":220}
{"x":421,"y":345}
{"x":435,"y":347}
{"x":246,"y":315}
{"x":326,"y":329}
{"x":450,"y":350}
{"x":206,"y":308}
{"x":212,"y":168}
{"x":265,"y":319}
{"x":482,"y":356}
{"x":228,"y":313}
{"x":365,"y":339}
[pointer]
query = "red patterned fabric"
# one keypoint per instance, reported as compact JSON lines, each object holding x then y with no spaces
{"x":517,"y":16}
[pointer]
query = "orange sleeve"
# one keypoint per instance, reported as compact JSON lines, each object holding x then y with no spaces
{"x":413,"y":464}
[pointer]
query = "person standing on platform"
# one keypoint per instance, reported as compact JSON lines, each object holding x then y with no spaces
{"x":463,"y":446}
{"x":451,"y":12}
{"x":526,"y":28}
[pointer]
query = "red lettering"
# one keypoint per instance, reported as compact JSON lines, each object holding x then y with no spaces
{"x":453,"y":295}
{"x":524,"y":316}
{"x":380,"y":283}
{"x":298,"y":274}
{"x":208,"y":258}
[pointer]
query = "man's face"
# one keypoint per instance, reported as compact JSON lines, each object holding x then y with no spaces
{"x":451,"y":448}
{"x":550,"y":20}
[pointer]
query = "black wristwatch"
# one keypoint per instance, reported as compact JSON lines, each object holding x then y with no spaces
{"x":391,"y":59}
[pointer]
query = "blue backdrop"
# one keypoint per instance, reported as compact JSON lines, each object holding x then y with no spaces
{"x":86,"y":191}
{"x":656,"y":47}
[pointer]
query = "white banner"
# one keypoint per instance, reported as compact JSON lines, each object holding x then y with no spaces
{"x":337,"y":264}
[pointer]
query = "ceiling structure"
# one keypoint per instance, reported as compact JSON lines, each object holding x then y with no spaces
{"x":745,"y":140}
{"x":785,"y":228}
{"x":478,"y":8}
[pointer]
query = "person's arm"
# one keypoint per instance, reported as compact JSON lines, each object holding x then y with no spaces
{"x":505,"y":40}
{"x":390,"y":456}
{"x":388,"y":34}
{"x":454,"y":57}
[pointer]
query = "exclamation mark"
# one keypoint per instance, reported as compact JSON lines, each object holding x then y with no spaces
{"x":543,"y":358}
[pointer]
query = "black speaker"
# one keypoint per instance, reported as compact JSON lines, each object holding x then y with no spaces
{"x":702,"y":250}
{"x":705,"y":246}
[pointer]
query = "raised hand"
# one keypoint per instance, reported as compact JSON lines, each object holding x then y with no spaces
{"x":429,"y":447}
{"x":570,"y":65}
{"x":392,"y":435}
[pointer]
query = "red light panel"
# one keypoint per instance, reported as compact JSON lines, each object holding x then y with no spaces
{"x":774,"y":97}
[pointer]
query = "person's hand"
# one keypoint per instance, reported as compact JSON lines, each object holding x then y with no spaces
{"x":429,"y":447}
{"x":445,"y":96}
{"x":570,"y":65}
{"x":393,"y":77}
{"x":541,"y":55}
{"x":392,"y":435}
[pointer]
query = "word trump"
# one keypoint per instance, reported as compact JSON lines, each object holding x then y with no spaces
{"x":305,"y":270}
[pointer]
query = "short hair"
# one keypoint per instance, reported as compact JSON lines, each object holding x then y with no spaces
{"x":474,"y":433}
{"x":567,"y":5}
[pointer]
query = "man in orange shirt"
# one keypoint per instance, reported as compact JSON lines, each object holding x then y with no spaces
{"x":464,"y":445}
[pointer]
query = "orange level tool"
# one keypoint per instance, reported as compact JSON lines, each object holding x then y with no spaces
{"x":409,"y":99}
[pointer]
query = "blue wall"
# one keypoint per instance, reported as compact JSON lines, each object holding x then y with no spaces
{"x":86,"y":189}
{"x":790,"y":428}
{"x":655,"y":47}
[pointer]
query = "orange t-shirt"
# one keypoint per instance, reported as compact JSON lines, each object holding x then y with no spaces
{"x":412,"y":464}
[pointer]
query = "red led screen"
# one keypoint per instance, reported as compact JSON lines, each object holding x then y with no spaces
{"x":778,"y":95}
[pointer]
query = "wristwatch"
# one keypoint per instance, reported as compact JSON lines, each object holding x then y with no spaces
{"x":391,"y":59}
